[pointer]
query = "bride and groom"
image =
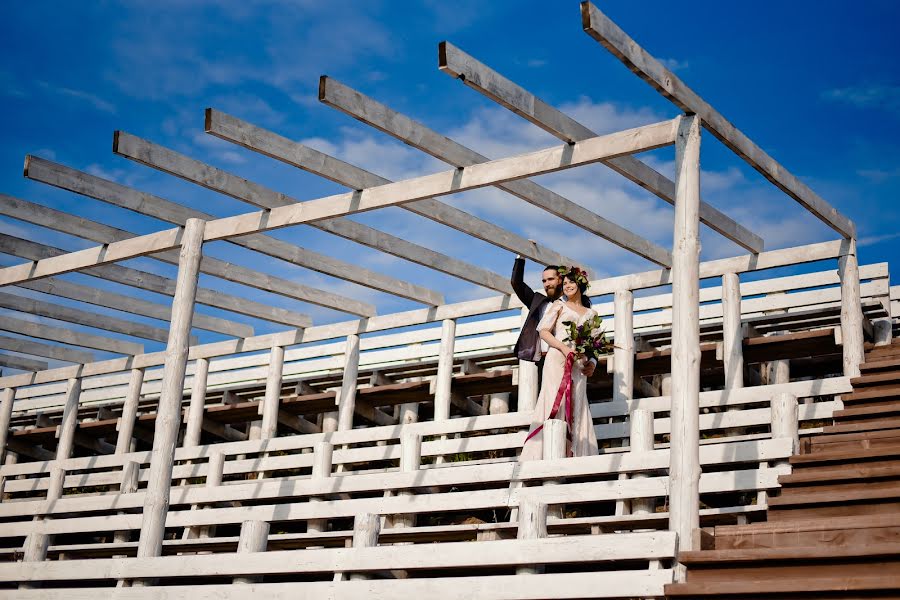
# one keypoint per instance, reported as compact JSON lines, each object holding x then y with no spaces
{"x":544,"y":339}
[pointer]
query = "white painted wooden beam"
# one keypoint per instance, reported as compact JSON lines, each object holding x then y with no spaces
{"x":168,"y":420}
{"x":684,"y":466}
{"x":46,"y":350}
{"x":601,"y":28}
{"x":22,"y":363}
{"x":133,"y":278}
{"x":147,"y":204}
{"x":853,"y":347}
{"x":415,"y":134}
{"x":129,"y":304}
{"x":82,"y":317}
{"x":495,"y":86}
{"x":103,"y":234}
{"x":69,"y":336}
{"x":439,"y":184}
{"x":271,"y":144}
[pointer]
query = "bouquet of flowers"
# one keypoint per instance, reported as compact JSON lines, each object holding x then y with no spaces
{"x":589,"y":339}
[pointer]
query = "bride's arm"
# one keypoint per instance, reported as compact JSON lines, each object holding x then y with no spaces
{"x":551,"y":340}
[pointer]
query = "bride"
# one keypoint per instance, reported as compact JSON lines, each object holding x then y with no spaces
{"x":573,"y":306}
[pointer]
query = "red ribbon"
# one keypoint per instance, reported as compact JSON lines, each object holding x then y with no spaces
{"x":564,"y":392}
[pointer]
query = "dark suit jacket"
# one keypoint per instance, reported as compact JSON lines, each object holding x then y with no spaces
{"x":528,"y":346}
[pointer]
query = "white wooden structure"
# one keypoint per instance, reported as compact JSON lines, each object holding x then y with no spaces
{"x":334,"y":448}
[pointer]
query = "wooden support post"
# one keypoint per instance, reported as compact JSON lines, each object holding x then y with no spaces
{"x":532,"y":526}
{"x":528,"y":385}
{"x":322,"y":463}
{"x":554,"y":448}
{"x":778,"y":371}
{"x":156,"y":503}
{"x":66,"y":430}
{"x":732,"y":333}
{"x":126,"y":422}
{"x":851,"y":312}
{"x":7,"y":398}
{"x":623,"y":354}
{"x":273,"y":393}
{"x":347,"y":396}
{"x":786,"y":419}
{"x":35,"y":550}
{"x":444,"y":379}
{"x":528,"y":378}
{"x":194,"y":417}
{"x":410,"y":461}
{"x":366,"y":528}
{"x":128,"y":485}
{"x":641,"y":421}
{"x":254,"y":538}
{"x":684,"y":465}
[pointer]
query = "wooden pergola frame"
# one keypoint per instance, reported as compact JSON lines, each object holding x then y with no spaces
{"x":182,"y":245}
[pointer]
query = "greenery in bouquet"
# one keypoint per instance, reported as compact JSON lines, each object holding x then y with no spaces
{"x":589,"y":338}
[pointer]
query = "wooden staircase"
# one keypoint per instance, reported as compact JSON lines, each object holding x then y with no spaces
{"x":834,"y":531}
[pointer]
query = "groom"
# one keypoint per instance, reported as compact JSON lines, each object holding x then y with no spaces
{"x":530,"y":346}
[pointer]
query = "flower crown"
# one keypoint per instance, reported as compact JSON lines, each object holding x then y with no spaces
{"x":577,"y":275}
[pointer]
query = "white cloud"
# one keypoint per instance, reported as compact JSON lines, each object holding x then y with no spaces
{"x":673,"y":64}
{"x":874,"y":95}
{"x":879,"y":175}
{"x":96,"y":101}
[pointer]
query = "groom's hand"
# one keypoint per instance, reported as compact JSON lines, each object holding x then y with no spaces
{"x":588,"y":369}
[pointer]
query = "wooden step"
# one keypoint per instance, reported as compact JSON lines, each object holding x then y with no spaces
{"x":765,"y":586}
{"x":886,"y":391}
{"x":864,"y":413}
{"x":740,"y":571}
{"x":882,"y":425}
{"x":842,"y":474}
{"x":873,"y":364}
{"x":883,"y":378}
{"x":867,"y":529}
{"x":844,"y":442}
{"x":887,"y":452}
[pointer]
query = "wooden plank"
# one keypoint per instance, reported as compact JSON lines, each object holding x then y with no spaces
{"x":639,"y":61}
{"x":611,"y":584}
{"x":22,"y":363}
{"x":449,"y":182}
{"x":46,"y":350}
{"x":103,"y":234}
{"x":569,"y":549}
{"x":69,"y":336}
{"x":260,"y":140}
{"x":113,"y":193}
{"x":135,"y":306}
{"x":82,"y":317}
{"x":125,"y":275}
{"x":415,"y":134}
{"x":495,"y":86}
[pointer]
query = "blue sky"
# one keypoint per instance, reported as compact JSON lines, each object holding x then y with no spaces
{"x":816,"y":84}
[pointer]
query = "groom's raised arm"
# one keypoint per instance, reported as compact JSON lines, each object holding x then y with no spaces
{"x":517,"y":281}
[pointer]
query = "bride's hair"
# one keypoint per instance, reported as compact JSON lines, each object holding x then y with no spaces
{"x":582,"y":287}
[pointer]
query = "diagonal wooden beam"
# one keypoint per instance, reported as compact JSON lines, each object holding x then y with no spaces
{"x":299,"y":155}
{"x":550,"y":160}
{"x":64,"y":177}
{"x":69,"y":336}
{"x":22,"y":363}
{"x":639,"y":61}
{"x":495,"y":86}
{"x":130,"y":304}
{"x":101,"y":233}
{"x":134,"y":278}
{"x":82,"y":317}
{"x":46,"y":350}
{"x":379,"y":116}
